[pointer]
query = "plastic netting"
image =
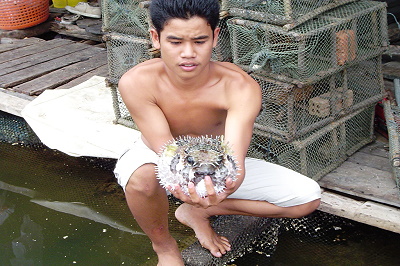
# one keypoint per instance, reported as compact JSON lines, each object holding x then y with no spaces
{"x":317,"y":48}
{"x":287,"y":13}
{"x":14,"y":129}
{"x":317,"y":153}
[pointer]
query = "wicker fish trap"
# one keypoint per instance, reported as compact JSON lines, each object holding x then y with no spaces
{"x":289,"y":112}
{"x":124,"y":52}
{"x":125,"y":16}
{"x":318,"y":48}
{"x":286,"y":13}
{"x":321,"y":151}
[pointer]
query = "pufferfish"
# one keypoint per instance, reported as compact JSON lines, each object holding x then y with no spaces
{"x":190,"y":159}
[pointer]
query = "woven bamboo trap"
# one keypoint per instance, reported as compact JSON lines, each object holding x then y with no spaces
{"x":290,"y":112}
{"x":286,"y":13}
{"x":318,"y":48}
{"x":321,"y":151}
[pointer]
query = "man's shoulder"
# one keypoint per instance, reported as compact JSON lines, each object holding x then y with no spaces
{"x":235,"y":76}
{"x":149,"y":66}
{"x":140,"y":77}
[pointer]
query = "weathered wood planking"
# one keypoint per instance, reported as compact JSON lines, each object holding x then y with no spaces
{"x":391,"y":70}
{"x":101,"y":71}
{"x":61,"y":76}
{"x":11,"y":44}
{"x":39,"y":62}
{"x":30,"y":50}
{"x":74,"y":53}
{"x":366,"y":174}
{"x":368,"y":212}
{"x":378,"y":148}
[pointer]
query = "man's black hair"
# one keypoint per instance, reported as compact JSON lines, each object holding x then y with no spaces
{"x":163,"y":10}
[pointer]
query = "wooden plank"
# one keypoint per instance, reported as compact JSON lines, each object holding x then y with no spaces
{"x":393,"y":52}
{"x":11,"y":103}
{"x":373,"y":161}
{"x":371,"y":213}
{"x":391,"y":70}
{"x":102,"y":71}
{"x":363,"y":181}
{"x":7,"y":44}
{"x":378,"y":148}
{"x":74,"y":31}
{"x":29,"y":73}
{"x":47,"y":55}
{"x":30,"y":50}
{"x":61,"y":76}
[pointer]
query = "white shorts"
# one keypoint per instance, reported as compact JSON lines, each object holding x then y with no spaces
{"x":263,"y":181}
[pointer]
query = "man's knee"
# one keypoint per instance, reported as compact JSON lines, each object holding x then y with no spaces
{"x":304,"y":209}
{"x":143,"y":180}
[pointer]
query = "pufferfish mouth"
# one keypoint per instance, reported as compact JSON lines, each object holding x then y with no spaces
{"x":204,"y":174}
{"x":204,"y":170}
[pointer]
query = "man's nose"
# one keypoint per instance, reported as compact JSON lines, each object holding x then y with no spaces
{"x":188,"y":51}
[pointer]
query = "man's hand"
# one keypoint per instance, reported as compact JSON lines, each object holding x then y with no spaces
{"x":212,"y":197}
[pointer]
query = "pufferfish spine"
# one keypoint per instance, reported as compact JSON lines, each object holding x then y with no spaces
{"x":189,"y":159}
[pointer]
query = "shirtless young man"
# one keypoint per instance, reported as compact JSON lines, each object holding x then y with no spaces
{"x":184,"y":93}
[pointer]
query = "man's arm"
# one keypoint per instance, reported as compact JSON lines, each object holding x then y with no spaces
{"x":244,"y":106}
{"x":137,"y":95}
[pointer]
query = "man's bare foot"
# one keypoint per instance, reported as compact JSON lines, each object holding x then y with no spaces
{"x":168,"y":253}
{"x":194,"y":218}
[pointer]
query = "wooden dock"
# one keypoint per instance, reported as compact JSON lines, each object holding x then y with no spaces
{"x":362,"y":189}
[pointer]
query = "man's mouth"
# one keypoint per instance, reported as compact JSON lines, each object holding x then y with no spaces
{"x":188,"y":66}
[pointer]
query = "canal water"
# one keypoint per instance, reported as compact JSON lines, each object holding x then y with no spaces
{"x":61,"y":210}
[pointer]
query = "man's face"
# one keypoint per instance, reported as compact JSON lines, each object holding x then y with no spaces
{"x":186,"y":45}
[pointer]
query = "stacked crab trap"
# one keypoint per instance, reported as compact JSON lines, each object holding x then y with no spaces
{"x":318,"y":64}
{"x":126,"y":33}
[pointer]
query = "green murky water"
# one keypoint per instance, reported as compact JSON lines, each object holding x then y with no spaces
{"x":60,"y":210}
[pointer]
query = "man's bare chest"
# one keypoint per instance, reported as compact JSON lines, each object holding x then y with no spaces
{"x":195,"y":118}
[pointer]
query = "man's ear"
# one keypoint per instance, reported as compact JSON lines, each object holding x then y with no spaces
{"x":216,"y":34}
{"x":155,"y":38}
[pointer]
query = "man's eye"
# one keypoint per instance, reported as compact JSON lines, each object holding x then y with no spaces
{"x":200,"y":42}
{"x":175,"y":43}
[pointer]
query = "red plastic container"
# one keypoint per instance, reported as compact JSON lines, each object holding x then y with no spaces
{"x":22,"y":14}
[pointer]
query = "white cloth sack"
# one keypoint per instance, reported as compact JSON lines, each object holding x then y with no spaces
{"x":79,"y":121}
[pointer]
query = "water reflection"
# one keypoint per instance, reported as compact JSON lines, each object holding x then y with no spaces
{"x":81,"y":210}
{"x":60,"y":210}
{"x":27,"y":248}
{"x":54,"y":211}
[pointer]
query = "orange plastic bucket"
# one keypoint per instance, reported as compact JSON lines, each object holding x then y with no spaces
{"x":21,"y":14}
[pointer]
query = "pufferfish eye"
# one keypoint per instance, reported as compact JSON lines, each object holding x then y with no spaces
{"x":190,"y":160}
